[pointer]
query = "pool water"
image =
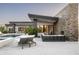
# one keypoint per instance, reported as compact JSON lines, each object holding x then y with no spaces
{"x":2,"y":37}
{"x":10,"y":36}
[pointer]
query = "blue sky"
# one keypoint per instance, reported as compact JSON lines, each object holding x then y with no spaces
{"x":18,"y":12}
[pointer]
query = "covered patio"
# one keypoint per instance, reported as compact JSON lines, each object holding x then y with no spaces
{"x":45,"y":23}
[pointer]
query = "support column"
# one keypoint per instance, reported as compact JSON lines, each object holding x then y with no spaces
{"x":35,"y":23}
{"x":35,"y":26}
{"x":14,"y":29}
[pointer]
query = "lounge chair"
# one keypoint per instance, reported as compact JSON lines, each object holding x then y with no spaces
{"x":24,"y":41}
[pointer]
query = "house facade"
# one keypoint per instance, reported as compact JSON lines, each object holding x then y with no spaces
{"x":44,"y":23}
{"x":18,"y":27}
{"x":66,"y":22}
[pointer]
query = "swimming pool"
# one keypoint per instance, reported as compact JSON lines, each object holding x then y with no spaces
{"x":7,"y":39}
{"x":9,"y":35}
{"x":4,"y":36}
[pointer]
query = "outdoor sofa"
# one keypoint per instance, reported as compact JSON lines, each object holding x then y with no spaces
{"x":50,"y":38}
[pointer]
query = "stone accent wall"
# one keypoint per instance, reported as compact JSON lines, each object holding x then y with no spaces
{"x":68,"y":21}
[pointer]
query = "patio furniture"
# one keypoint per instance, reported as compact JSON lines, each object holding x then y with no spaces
{"x":50,"y":38}
{"x":28,"y":39}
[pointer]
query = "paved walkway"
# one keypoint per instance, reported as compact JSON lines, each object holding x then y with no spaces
{"x":42,"y":48}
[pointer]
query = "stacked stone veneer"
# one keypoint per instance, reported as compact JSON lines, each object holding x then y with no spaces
{"x":68,"y":21}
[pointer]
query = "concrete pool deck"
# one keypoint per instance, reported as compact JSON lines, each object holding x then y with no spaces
{"x":42,"y":48}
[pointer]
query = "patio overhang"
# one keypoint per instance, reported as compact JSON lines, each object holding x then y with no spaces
{"x":42,"y":18}
{"x":20,"y":23}
{"x":17,"y":24}
{"x":46,"y":23}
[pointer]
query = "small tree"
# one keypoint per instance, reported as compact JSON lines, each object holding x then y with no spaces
{"x":35,"y":31}
{"x":31,"y":31}
{"x":3,"y":30}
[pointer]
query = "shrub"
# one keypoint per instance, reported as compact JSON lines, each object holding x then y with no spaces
{"x":31,"y":31}
{"x":3,"y":30}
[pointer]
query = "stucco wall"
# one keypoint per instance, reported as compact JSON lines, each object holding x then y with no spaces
{"x":68,"y":21}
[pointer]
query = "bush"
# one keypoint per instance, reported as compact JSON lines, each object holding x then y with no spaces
{"x":35,"y":31}
{"x":31,"y":31}
{"x":3,"y":30}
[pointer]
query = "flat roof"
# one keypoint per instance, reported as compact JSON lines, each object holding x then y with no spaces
{"x":43,"y":18}
{"x":19,"y":23}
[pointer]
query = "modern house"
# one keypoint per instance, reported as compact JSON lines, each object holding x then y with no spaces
{"x":66,"y":22}
{"x":18,"y":26}
{"x":46,"y":23}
